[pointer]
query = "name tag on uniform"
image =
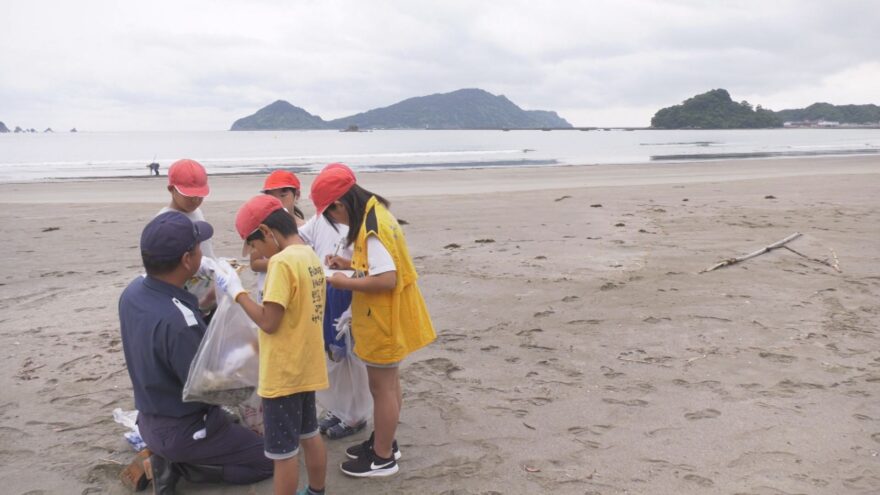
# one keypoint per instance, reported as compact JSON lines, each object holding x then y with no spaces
{"x":187,"y":313}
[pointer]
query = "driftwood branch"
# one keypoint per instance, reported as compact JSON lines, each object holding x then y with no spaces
{"x":833,"y":263}
{"x":733,"y":261}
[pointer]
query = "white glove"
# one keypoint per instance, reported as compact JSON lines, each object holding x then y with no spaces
{"x":208,"y":265}
{"x":227,"y":279}
{"x":343,"y":325}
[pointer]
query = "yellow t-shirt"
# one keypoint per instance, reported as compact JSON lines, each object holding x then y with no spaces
{"x":292,"y":358}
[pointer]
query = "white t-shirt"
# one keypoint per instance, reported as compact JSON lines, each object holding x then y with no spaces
{"x":324,"y":239}
{"x":378,"y":257}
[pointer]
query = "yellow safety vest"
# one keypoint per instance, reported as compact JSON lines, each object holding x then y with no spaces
{"x":387,"y":326}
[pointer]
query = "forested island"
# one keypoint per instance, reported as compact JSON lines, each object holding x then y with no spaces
{"x":715,"y":109}
{"x":462,"y":109}
{"x":844,"y":114}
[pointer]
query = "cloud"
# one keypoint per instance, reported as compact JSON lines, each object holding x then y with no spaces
{"x":201,"y":64}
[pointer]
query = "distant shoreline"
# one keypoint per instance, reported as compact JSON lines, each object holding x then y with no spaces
{"x":229,"y":187}
{"x":655,"y":160}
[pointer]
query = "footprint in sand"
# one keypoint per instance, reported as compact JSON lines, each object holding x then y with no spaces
{"x":437,"y":366}
{"x":703,"y":414}
{"x":590,"y":322}
{"x":609,"y":372}
{"x":777,"y":358}
{"x":630,"y":403}
{"x":704,"y":482}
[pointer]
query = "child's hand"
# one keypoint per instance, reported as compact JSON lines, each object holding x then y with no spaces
{"x":338,"y":281}
{"x":337,"y":262}
{"x":227,"y":280}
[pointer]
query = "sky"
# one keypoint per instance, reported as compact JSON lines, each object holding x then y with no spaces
{"x":199,"y":65}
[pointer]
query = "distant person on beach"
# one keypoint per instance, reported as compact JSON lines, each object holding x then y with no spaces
{"x":154,"y":168}
{"x":389,"y":316}
{"x":348,"y":402}
{"x":290,"y":340}
{"x":161,"y":329}
{"x":188,"y":186}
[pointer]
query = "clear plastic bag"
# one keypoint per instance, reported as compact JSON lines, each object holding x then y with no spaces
{"x":226,"y":367}
{"x":348,"y":397}
{"x":251,"y":412}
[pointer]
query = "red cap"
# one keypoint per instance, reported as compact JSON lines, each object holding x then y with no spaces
{"x":334,"y":181}
{"x":254,"y":212}
{"x":280,"y":179}
{"x":189,"y":178}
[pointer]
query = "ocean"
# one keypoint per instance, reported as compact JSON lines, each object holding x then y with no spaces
{"x":65,"y":156}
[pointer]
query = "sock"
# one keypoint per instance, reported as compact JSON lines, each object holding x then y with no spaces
{"x":312,"y":491}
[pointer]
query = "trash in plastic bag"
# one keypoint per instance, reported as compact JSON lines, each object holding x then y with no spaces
{"x":226,"y":367}
{"x":128,"y":419}
{"x":348,"y":397}
{"x":251,"y":413}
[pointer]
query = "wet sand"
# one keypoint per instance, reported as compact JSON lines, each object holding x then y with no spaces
{"x":579,"y":350}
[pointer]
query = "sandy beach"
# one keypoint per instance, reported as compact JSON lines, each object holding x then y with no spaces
{"x":579,"y":348}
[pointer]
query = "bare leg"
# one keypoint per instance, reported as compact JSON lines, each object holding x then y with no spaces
{"x":386,"y":391}
{"x":286,"y":476}
{"x":316,"y":461}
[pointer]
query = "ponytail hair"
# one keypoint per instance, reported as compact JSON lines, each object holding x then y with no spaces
{"x":355,"y":203}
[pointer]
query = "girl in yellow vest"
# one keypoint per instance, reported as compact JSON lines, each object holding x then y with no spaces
{"x":389,"y":317}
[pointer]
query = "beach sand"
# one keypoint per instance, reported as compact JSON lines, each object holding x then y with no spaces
{"x":579,"y":350}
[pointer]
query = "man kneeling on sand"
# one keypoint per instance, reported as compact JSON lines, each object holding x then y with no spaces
{"x":161,"y":330}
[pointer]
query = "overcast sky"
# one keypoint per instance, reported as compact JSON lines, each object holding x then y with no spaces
{"x":199,"y":65}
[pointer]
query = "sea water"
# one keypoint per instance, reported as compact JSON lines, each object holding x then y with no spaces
{"x":54,"y":156}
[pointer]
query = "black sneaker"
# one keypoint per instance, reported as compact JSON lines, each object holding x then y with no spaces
{"x":370,"y":465}
{"x":342,"y":430}
{"x":327,"y":421}
{"x":358,"y":450}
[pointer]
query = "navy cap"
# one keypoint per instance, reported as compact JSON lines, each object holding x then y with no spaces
{"x":171,"y":234}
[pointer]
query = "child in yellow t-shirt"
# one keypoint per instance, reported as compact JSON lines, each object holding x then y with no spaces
{"x":292,"y":365}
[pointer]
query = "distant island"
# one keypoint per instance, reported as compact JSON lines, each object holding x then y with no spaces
{"x":829,"y":114}
{"x":462,"y":109}
{"x":4,"y":129}
{"x":715,"y":109}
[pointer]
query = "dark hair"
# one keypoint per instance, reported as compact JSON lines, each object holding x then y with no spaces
{"x":296,"y":210}
{"x":280,"y":220}
{"x":156,"y":267}
{"x":355,"y":203}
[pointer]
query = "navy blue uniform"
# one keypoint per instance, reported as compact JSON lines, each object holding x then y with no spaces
{"x":161,"y":330}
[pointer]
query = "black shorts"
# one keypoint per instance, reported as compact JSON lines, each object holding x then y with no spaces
{"x":285,"y":421}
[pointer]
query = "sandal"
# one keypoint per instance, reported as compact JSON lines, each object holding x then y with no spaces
{"x":134,"y":476}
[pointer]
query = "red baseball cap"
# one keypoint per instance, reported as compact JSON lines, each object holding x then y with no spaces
{"x":280,"y":179}
{"x":189,"y":178}
{"x":334,"y":181}
{"x":254,"y":212}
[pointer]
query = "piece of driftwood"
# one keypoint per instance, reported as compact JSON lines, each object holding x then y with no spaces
{"x":733,"y":261}
{"x":833,"y":263}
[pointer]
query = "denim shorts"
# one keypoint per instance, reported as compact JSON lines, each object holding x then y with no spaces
{"x":286,"y":420}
